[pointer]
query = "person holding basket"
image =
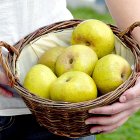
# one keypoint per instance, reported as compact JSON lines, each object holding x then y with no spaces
{"x":19,"y":18}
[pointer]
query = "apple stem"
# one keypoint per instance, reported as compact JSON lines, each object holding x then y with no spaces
{"x":123,"y":76}
{"x":71,"y":61}
{"x":87,"y":43}
{"x":67,"y":80}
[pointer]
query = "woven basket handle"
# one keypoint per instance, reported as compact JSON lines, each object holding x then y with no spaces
{"x":4,"y":61}
{"x":128,"y":31}
{"x":130,"y":28}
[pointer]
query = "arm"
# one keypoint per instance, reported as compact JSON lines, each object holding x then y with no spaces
{"x":125,"y":13}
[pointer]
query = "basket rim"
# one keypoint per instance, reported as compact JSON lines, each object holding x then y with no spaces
{"x":126,"y":39}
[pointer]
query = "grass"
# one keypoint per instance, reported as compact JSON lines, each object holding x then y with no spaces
{"x":131,"y":129}
{"x":88,"y":13}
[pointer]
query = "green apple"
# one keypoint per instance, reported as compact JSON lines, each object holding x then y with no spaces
{"x":95,"y":34}
{"x":76,"y":57}
{"x":38,"y":80}
{"x":110,"y":72}
{"x":73,"y":86}
{"x":50,"y":56}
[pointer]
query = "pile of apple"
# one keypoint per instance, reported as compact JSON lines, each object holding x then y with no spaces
{"x":82,"y":70}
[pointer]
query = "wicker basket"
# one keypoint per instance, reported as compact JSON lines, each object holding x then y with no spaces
{"x":61,"y":118}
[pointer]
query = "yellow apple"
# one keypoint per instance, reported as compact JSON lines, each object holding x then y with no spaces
{"x":50,"y":56}
{"x":38,"y":80}
{"x":110,"y":72}
{"x":76,"y":57}
{"x":73,"y":86}
{"x":95,"y":34}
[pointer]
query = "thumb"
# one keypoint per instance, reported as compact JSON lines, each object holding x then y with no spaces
{"x":131,"y":93}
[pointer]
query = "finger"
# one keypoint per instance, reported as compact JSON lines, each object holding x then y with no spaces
{"x":108,"y":132}
{"x":111,"y":109}
{"x":110,"y":120}
{"x":138,"y":80}
{"x":131,"y":93}
{"x":107,"y":128}
{"x":3,"y":78}
{"x":5,"y":92}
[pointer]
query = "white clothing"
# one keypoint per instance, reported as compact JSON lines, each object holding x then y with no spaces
{"x":18,"y":18}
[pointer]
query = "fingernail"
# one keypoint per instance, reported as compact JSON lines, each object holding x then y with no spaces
{"x":87,"y":122}
{"x":95,"y":131}
{"x":123,"y":99}
{"x":91,"y":111}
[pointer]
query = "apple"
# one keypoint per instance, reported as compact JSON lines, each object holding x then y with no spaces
{"x":76,"y":57}
{"x":50,"y":56}
{"x":110,"y":72}
{"x":73,"y":86}
{"x":38,"y":80}
{"x":95,"y":34}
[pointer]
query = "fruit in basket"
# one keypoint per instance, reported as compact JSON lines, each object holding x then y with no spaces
{"x":50,"y":56}
{"x":73,"y":86}
{"x":95,"y":34}
{"x":38,"y":80}
{"x":110,"y":72}
{"x":76,"y":57}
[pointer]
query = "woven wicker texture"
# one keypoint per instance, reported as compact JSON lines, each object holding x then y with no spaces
{"x":61,"y":118}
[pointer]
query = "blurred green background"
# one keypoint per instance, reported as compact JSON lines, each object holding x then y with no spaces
{"x":131,"y":129}
{"x":88,"y":13}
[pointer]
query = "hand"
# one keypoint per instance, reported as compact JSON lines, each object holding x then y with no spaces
{"x":3,"y":78}
{"x":4,"y":81}
{"x":117,"y":113}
